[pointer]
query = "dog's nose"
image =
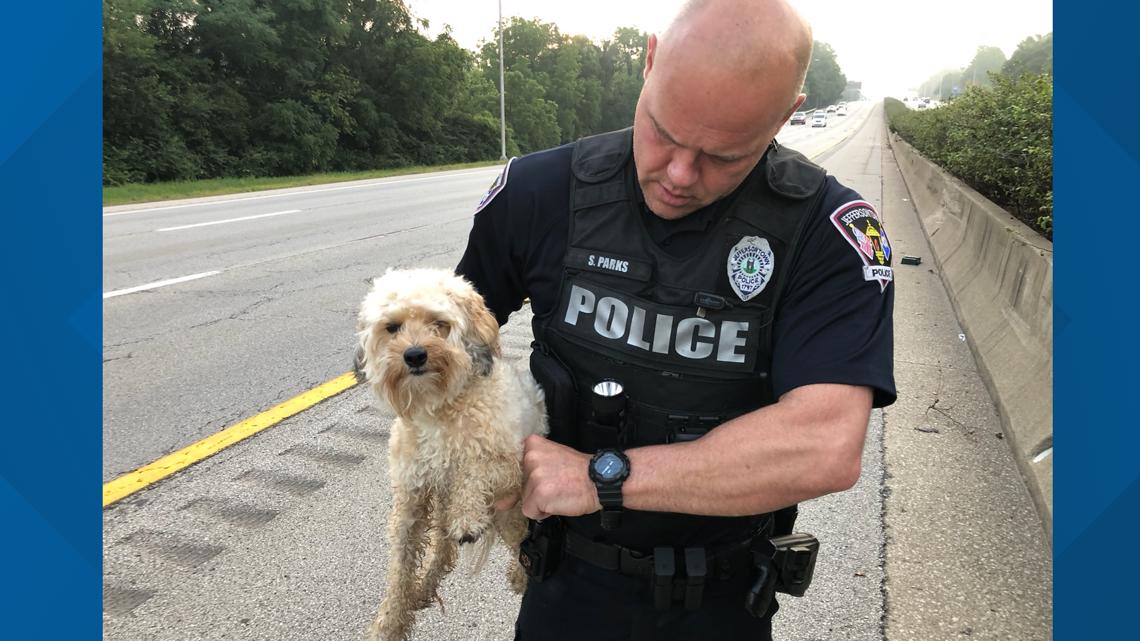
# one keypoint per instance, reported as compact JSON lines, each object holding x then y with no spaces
{"x":415,"y":356}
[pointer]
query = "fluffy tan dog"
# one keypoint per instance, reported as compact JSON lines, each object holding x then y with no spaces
{"x":431,"y":351}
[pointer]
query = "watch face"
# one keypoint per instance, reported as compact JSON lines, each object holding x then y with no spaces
{"x":609,"y":466}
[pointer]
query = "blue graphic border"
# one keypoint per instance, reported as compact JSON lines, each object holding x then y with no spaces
{"x":1097,"y":478}
{"x":50,"y":164}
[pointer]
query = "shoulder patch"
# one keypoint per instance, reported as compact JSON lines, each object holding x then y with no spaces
{"x":859,"y":224}
{"x":495,"y":188}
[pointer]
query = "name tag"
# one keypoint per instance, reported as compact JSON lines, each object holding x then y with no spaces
{"x":608,"y":263}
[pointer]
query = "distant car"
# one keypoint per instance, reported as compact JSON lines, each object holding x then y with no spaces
{"x":799,"y":118}
{"x":831,"y":109}
{"x":841,"y":110}
{"x":819,"y":119}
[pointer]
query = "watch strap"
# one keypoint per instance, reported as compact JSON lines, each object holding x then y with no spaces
{"x":609,"y":496}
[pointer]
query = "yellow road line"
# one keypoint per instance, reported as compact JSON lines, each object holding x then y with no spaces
{"x":132,"y":482}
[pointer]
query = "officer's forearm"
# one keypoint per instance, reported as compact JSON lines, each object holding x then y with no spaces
{"x":807,"y":445}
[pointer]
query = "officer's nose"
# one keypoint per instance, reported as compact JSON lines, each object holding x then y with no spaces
{"x":415,"y":356}
{"x":682,"y":170}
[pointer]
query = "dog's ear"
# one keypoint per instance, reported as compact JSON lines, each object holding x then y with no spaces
{"x":482,"y":328}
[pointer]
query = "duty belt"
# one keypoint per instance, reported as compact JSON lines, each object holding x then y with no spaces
{"x":661,"y":566}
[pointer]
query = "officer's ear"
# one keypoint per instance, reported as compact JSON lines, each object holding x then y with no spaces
{"x":796,"y":105}
{"x":650,"y":52}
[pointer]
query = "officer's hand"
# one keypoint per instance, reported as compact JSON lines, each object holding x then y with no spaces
{"x":555,"y":480}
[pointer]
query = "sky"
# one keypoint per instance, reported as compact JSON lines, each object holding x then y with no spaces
{"x":892,"y":46}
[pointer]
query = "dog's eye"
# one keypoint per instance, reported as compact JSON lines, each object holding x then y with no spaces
{"x":393,"y":328}
{"x":442,"y":327}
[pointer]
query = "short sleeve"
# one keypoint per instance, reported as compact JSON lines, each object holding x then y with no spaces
{"x":518,"y":235}
{"x":834,"y":324}
{"x":488,"y":259}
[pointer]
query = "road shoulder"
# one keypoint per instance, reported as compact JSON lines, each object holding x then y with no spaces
{"x":966,"y":554}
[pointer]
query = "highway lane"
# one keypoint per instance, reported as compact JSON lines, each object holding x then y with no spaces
{"x":145,"y":243}
{"x":185,"y":360}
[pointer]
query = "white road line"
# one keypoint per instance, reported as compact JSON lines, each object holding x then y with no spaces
{"x":229,"y":220}
{"x":158,"y":283}
{"x":302,"y":193}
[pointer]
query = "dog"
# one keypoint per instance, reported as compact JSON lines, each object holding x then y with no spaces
{"x":429,"y":348}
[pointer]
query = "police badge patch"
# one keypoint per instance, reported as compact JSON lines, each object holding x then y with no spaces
{"x":495,"y":188}
{"x":860,"y":225}
{"x":750,"y":264}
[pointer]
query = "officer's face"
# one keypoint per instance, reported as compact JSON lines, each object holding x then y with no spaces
{"x":697,"y":133}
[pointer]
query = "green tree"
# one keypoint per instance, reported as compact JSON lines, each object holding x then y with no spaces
{"x":205,"y":88}
{"x":987,"y":60}
{"x":825,"y":81}
{"x":942,"y":85}
{"x":1034,"y":55}
{"x":621,"y":64}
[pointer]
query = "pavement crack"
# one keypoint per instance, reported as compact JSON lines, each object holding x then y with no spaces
{"x":236,"y":315}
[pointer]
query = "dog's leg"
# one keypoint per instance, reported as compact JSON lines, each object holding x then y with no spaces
{"x":441,"y":557}
{"x":406,"y":528}
{"x":442,"y":561}
{"x":512,"y":528}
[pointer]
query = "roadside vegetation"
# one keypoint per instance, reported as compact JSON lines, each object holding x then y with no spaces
{"x":998,"y":136}
{"x":197,"y":90}
{"x":170,"y":190}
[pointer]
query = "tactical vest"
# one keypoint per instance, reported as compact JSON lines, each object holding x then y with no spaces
{"x":688,"y":338}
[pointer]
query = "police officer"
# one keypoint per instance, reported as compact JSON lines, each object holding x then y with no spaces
{"x":712,"y":322}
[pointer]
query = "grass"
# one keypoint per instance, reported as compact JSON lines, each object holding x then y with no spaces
{"x":153,"y":192}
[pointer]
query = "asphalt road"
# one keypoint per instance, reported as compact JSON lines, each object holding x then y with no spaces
{"x":281,"y":536}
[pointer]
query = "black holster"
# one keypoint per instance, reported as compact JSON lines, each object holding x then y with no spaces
{"x":559,"y":391}
{"x":783,"y":564}
{"x":795,"y":559}
{"x":541,"y":551}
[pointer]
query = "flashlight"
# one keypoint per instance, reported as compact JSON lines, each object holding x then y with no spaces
{"x":608,"y":402}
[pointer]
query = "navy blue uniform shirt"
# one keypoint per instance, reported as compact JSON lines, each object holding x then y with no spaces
{"x":832,"y":326}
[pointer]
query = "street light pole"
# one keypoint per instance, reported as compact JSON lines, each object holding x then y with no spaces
{"x":502,"y":89}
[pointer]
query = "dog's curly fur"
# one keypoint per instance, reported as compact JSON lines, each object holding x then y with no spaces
{"x":430,"y":349}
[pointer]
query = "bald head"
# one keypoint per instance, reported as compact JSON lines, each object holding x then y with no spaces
{"x":747,"y":38}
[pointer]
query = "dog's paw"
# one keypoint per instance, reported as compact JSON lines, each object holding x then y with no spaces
{"x":468,"y":537}
{"x":380,"y":631}
{"x":516,"y":576}
{"x":391,"y":624}
{"x":467,"y":530}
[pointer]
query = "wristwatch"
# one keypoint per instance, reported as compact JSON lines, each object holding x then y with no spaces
{"x":608,"y":470}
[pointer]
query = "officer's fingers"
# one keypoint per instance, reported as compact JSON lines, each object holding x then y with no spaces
{"x":529,"y":505}
{"x":507,"y":502}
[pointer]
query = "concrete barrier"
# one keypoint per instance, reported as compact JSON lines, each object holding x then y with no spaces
{"x":999,"y":274}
